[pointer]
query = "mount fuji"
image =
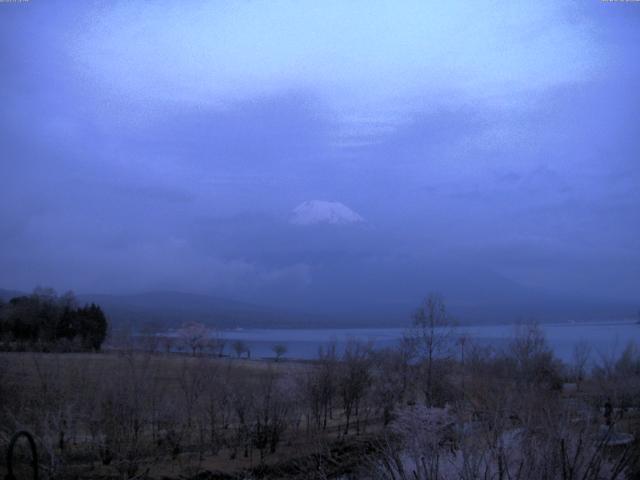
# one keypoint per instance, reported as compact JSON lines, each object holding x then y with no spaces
{"x":315,"y":212}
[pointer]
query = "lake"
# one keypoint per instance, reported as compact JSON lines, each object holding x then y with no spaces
{"x":605,"y":338}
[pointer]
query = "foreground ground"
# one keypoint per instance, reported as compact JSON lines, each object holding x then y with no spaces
{"x":182,"y":380}
{"x":364,"y":414}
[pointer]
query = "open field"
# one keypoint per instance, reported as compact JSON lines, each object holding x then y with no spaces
{"x":164,"y":402}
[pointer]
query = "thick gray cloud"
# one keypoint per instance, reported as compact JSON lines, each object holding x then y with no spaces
{"x":164,"y":146}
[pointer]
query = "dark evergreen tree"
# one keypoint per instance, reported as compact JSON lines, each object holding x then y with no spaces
{"x":92,"y":326}
{"x":43,"y":319}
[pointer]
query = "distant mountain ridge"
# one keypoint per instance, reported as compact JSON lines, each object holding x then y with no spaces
{"x":161,"y":310}
{"x":6,"y":295}
{"x":170,"y":309}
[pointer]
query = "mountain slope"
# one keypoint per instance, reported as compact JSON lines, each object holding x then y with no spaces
{"x":164,"y":309}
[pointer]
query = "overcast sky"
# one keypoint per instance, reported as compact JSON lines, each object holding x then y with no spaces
{"x":164,"y":145}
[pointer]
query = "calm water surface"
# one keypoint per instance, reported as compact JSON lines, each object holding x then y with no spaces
{"x":606,"y":339}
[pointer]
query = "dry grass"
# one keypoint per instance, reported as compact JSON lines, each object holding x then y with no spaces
{"x":32,"y":375}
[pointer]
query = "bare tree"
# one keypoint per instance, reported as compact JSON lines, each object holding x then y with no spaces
{"x":193,"y":381}
{"x":271,"y":408}
{"x":389,"y":380}
{"x":217,"y":343}
{"x":432,"y":335}
{"x":216,"y":404}
{"x":239,"y":347}
{"x":318,"y":386}
{"x":194,"y":336}
{"x":167,"y":343}
{"x":532,"y":357}
{"x":279,"y":349}
{"x":354,"y":380}
{"x":580,"y":359}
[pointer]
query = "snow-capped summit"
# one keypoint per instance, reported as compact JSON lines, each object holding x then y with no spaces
{"x":315,"y":212}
